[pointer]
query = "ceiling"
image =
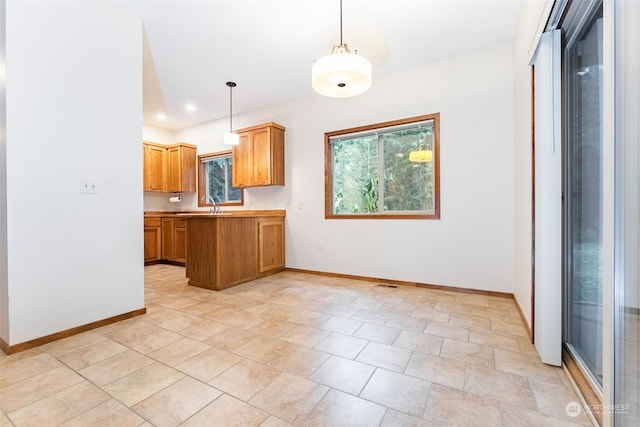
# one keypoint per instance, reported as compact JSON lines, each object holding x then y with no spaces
{"x":268,"y":46}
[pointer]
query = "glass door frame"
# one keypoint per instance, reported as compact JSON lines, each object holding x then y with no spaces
{"x":574,"y":17}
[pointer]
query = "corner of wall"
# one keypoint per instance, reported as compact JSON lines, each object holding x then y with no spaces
{"x":4,"y":294}
{"x":533,"y":15}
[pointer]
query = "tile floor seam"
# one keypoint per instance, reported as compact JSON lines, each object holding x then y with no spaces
{"x":314,"y":406}
{"x":131,"y":407}
{"x":426,"y":403}
{"x":388,"y":407}
{"x":114,"y":397}
{"x":48,"y":395}
{"x":367,"y":383}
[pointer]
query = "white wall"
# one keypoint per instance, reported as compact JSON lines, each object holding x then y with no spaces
{"x":471,"y":245}
{"x":4,"y":300}
{"x":74,"y":110}
{"x":159,"y":135}
{"x":532,"y":15}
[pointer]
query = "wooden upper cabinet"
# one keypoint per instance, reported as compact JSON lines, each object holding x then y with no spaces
{"x":155,"y":175}
{"x":181,"y":168}
{"x":259,"y":158}
{"x":241,"y":159}
{"x":169,"y":168}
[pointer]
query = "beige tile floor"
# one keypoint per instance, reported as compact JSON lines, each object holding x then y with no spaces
{"x":292,"y":349}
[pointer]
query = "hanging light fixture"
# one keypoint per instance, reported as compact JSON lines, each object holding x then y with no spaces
{"x":231,"y":138}
{"x":341,"y":74}
{"x":421,"y":156}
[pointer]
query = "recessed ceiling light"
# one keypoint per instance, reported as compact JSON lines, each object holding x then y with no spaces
{"x":161,"y":117}
{"x":190,"y":107}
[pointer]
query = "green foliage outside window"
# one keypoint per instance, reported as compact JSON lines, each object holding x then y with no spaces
{"x":373,"y":174}
{"x":219,"y":178}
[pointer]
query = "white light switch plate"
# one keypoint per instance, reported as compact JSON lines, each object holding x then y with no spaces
{"x":88,"y":186}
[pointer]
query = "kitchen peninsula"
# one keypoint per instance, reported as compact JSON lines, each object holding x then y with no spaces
{"x":233,"y":247}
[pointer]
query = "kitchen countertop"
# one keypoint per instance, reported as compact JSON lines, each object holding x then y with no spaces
{"x":224,"y":214}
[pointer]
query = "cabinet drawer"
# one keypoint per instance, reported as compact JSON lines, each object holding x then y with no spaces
{"x":179,"y":222}
{"x":152,"y":222}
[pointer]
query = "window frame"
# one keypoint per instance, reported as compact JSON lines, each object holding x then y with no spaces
{"x":202,"y":180}
{"x":328,"y":170}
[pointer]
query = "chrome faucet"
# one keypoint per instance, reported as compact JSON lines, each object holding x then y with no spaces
{"x":215,"y":209}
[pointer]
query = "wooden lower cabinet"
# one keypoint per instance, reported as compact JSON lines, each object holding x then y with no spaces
{"x":227,"y":251}
{"x":165,"y":240}
{"x":179,"y":240}
{"x":152,"y":239}
{"x":270,"y":244}
{"x":151,"y":244}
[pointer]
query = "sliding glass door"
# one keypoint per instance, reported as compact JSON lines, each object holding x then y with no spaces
{"x":583,"y":137}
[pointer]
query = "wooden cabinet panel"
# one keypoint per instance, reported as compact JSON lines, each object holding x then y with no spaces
{"x":173,"y":169}
{"x":169,"y":242}
{"x":241,"y":159}
{"x":167,"y":239}
{"x":227,"y":251}
{"x":169,"y":168}
{"x":181,"y":168}
{"x":258,"y":159}
{"x":154,"y":167}
{"x":153,"y":222}
{"x":261,"y":156}
{"x":271,"y":251}
{"x":237,"y":250}
{"x":201,"y":267}
{"x":222,"y":251}
{"x":179,"y":244}
{"x":277,"y":156}
{"x":152,"y":239}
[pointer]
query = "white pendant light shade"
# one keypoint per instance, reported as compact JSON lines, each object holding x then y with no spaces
{"x":230,"y":138}
{"x":341,"y":74}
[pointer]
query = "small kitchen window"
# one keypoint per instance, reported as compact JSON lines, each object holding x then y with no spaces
{"x":214,"y":180}
{"x":386,"y":170}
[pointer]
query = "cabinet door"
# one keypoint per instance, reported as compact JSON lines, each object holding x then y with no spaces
{"x":167,"y":239}
{"x":188,"y":164}
{"x":174,"y":175}
{"x":271,"y":244}
{"x":154,"y":168}
{"x":152,"y":241}
{"x":241,"y":157}
{"x":180,"y":244}
{"x":261,"y":156}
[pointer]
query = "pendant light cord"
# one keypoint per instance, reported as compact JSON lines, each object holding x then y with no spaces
{"x":340,"y":22}
{"x":231,"y":108}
